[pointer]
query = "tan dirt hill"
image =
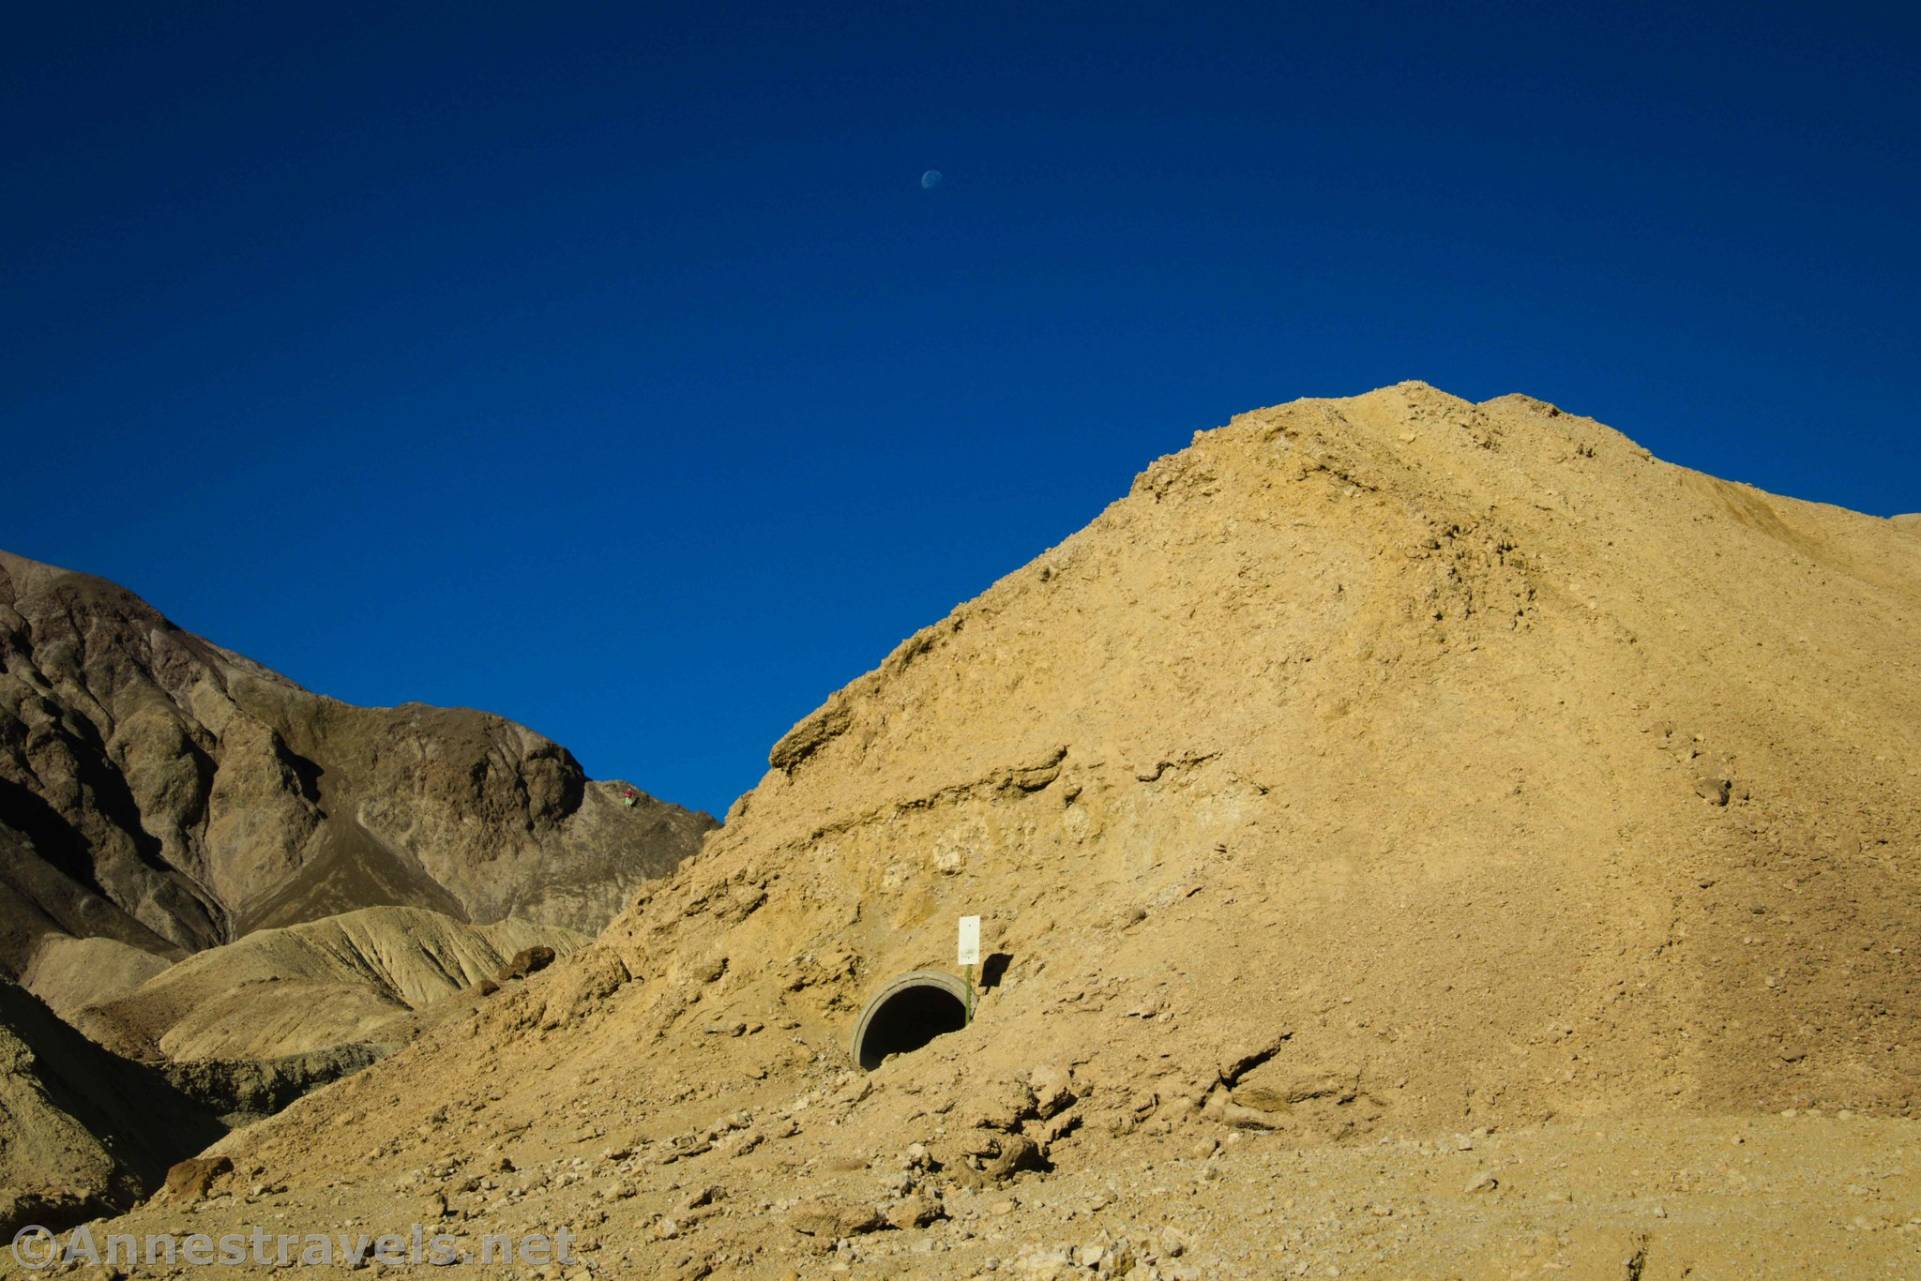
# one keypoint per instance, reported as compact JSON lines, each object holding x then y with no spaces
{"x":160,"y":795}
{"x":1381,"y":779}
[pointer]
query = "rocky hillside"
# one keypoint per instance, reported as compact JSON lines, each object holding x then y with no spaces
{"x":85,"y":1132}
{"x":1390,"y":771}
{"x":160,"y":795}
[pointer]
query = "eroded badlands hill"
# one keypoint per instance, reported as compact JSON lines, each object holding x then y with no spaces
{"x":1377,"y":769}
{"x":160,"y":795}
{"x":355,"y":978}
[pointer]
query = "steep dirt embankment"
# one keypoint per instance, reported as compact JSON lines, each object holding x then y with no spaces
{"x":160,"y":795}
{"x":349,"y":979}
{"x":1376,"y":767}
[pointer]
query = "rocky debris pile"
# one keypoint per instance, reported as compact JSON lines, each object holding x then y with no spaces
{"x":1339,"y":787}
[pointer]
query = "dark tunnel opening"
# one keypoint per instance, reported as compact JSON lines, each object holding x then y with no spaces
{"x":906,"y":1017}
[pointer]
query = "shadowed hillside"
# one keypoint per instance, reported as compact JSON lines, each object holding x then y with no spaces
{"x":86,"y":1132}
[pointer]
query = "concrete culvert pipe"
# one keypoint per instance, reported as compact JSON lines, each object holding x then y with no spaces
{"x":908,"y":1013}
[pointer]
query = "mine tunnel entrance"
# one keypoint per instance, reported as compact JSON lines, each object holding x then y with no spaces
{"x":907,"y":1014}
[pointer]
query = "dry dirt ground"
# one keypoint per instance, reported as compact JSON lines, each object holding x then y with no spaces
{"x":1377,"y":772}
{"x":1753,"y":1197}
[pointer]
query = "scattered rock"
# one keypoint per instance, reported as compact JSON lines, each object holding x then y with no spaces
{"x":1052,"y":1090}
{"x":1016,"y":1152}
{"x":834,"y":1219}
{"x":917,"y":1211}
{"x":528,"y":960}
{"x":189,"y":1180}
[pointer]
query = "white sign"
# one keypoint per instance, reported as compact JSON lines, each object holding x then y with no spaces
{"x":970,"y":940}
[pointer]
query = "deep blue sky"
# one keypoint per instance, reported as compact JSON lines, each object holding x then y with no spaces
{"x":609,"y":367}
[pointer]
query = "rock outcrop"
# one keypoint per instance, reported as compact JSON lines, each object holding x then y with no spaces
{"x":160,"y":795}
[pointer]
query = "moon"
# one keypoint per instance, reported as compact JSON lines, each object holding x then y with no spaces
{"x":930,"y":180}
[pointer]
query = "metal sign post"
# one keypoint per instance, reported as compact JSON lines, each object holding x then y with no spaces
{"x":968,"y":952}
